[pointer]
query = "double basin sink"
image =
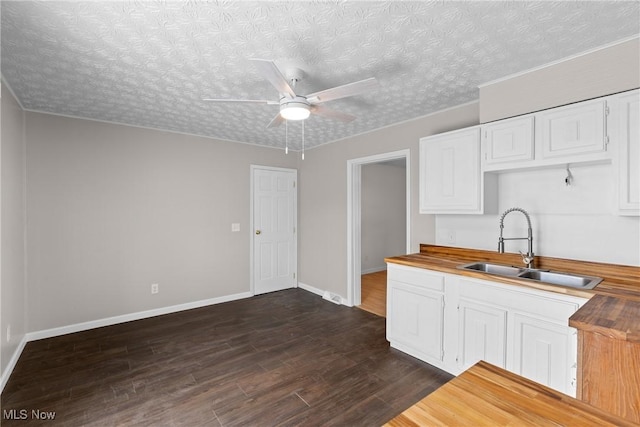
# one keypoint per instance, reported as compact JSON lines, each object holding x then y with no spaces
{"x":569,"y":280}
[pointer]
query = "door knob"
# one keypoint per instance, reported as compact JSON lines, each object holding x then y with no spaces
{"x":258,"y":231}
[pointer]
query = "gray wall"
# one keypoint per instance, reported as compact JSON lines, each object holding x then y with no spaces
{"x":323,"y":194}
{"x":598,"y":73}
{"x":113,"y":209}
{"x":383,"y":213}
{"x":12,"y":229}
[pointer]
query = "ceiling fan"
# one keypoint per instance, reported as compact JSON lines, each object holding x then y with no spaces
{"x":299,"y":107}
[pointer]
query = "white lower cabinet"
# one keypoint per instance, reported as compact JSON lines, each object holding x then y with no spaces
{"x":453,"y":321}
{"x":482,"y":334}
{"x":415,"y":314}
{"x":545,"y":352}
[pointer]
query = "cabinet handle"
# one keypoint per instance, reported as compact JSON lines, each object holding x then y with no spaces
{"x":258,"y":231}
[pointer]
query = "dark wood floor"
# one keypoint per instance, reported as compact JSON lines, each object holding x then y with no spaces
{"x":285,"y":358}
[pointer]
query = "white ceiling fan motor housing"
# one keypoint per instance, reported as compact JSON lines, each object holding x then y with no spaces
{"x":297,"y":108}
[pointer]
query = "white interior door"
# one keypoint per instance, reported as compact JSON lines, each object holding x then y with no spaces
{"x":274,"y":229}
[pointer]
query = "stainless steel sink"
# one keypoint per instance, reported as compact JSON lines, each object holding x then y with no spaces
{"x":500,"y":270}
{"x":544,"y":276}
{"x":562,"y":279}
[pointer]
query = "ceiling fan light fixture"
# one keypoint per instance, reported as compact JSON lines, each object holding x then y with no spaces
{"x":295,"y":110}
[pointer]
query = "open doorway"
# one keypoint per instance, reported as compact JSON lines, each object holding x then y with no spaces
{"x":370,"y":259}
{"x":383,"y":215}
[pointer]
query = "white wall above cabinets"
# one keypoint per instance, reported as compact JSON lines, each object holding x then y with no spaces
{"x":450,"y":177}
{"x":520,"y":329}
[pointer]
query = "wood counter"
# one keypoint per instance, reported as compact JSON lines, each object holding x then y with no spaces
{"x":485,"y":395}
{"x":621,"y":281}
{"x":609,"y":354}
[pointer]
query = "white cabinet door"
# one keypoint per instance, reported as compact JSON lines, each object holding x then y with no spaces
{"x":545,"y":352}
{"x":482,"y":334}
{"x":450,"y":177}
{"x":574,"y":130}
{"x":628,"y":140}
{"x":507,"y":143}
{"x":415,"y":320}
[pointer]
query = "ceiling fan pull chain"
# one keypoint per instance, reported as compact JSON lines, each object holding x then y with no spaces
{"x":286,"y":137}
{"x":303,"y":140}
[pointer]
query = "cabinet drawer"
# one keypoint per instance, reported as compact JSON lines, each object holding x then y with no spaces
{"x":416,"y":276}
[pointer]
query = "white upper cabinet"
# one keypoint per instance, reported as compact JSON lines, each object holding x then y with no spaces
{"x":507,"y":142}
{"x":459,"y":169}
{"x":450,"y":176}
{"x":626,"y":120}
{"x":573,"y":131}
{"x":573,"y":134}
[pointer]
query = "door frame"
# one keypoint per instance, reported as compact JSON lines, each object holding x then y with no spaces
{"x":252,"y":169}
{"x":354,"y":216}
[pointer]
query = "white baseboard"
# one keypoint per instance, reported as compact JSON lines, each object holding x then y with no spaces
{"x":12,"y":363}
{"x":310,"y":288}
{"x":78,"y":327}
{"x":374,"y":269}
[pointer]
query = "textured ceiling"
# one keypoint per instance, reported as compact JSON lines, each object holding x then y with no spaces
{"x":150,"y":63}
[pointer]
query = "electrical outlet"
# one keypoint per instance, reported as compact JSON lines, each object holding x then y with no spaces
{"x":154,"y":288}
{"x":8,"y":333}
{"x":235,"y":227}
{"x":447,"y":237}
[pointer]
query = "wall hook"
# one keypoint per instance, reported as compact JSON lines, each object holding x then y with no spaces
{"x":569,"y":179}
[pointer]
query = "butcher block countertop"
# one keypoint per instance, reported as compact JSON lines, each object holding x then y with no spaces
{"x":614,"y":306}
{"x":485,"y":395}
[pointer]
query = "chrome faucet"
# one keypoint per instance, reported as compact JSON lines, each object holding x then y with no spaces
{"x":528,"y":257}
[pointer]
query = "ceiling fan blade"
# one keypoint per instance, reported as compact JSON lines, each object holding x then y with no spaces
{"x":276,"y":121}
{"x":272,"y":73}
{"x":343,"y":91}
{"x":323,"y":111}
{"x":252,"y":101}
